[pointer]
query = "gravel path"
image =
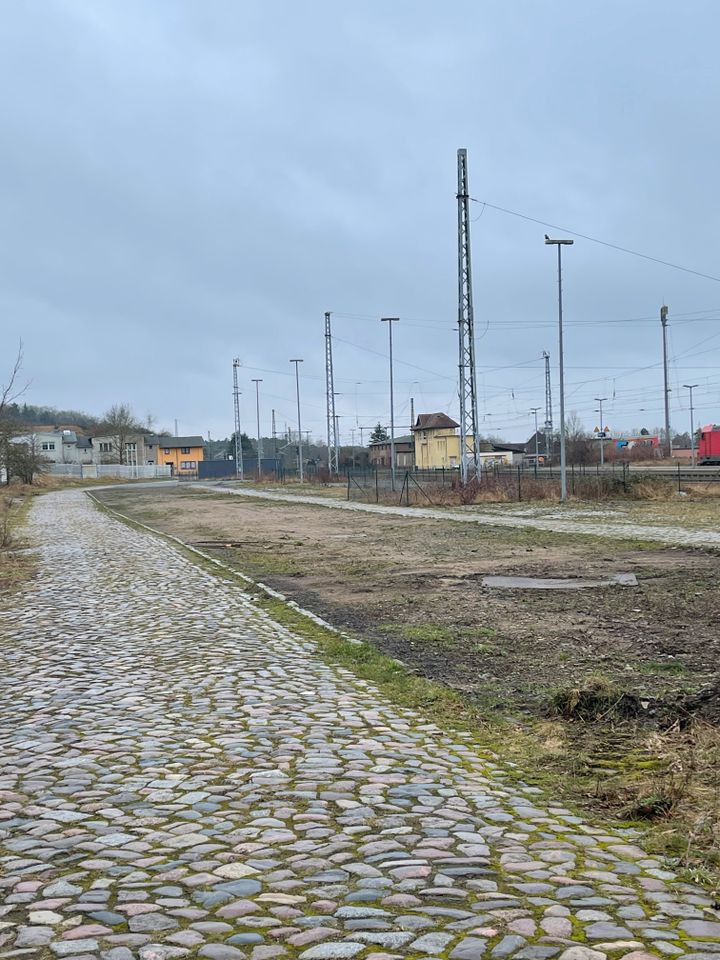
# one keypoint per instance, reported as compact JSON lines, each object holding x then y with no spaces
{"x":675,"y":536}
{"x":182,"y":777}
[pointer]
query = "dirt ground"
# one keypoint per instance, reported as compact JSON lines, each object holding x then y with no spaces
{"x":413,"y":588}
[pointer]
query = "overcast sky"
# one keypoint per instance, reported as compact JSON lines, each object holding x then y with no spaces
{"x":185,"y":182}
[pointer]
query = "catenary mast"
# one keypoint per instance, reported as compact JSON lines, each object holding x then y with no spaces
{"x":469,"y":435}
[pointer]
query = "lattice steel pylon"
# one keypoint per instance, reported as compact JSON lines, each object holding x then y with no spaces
{"x":239,"y":471}
{"x":467,"y":388}
{"x":332,"y":431}
{"x":548,"y":405}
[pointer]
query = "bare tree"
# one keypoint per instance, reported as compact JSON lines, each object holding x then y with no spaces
{"x":25,"y":460}
{"x":579,"y":445}
{"x":9,"y":392}
{"x":119,"y":423}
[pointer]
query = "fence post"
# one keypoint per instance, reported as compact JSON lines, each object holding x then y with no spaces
{"x":348,"y":483}
{"x":519,"y":484}
{"x":377,"y":492}
{"x":678,"y":476}
{"x":572,"y":468}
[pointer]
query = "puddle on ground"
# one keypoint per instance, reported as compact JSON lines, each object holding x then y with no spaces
{"x":559,"y":583}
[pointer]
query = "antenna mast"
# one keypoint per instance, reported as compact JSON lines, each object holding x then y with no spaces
{"x":239,"y":472}
{"x":469,"y":437}
{"x":332,"y":432}
{"x":548,"y":405}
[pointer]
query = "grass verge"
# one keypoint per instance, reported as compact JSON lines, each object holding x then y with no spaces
{"x":16,"y":564}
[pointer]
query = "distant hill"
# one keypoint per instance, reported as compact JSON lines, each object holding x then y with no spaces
{"x":29,"y":415}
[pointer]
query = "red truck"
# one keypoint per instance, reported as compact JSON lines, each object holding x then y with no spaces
{"x":709,"y":445}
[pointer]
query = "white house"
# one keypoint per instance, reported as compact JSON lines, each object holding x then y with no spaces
{"x":59,"y":446}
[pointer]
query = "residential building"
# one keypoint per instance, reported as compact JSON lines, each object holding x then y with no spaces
{"x":182,"y":454}
{"x":379,"y":453}
{"x":59,"y":446}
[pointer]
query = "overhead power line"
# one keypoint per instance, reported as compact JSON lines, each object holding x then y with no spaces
{"x":604,"y":243}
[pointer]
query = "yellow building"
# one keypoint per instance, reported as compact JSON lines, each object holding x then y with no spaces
{"x":181,"y":453}
{"x":437,"y":445}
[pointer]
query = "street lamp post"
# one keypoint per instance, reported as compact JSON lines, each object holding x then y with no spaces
{"x":259,"y":442}
{"x":561,"y":364}
{"x":297,"y":394}
{"x":534,"y":411}
{"x":690,"y":387}
{"x":390,"y":321}
{"x":602,"y":432}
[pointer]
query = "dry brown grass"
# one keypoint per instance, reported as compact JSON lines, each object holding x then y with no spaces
{"x":649,"y":488}
{"x":15,"y":565}
{"x":702,"y":491}
{"x":680,"y":795}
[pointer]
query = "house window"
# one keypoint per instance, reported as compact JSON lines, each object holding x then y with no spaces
{"x":105,"y":447}
{"x":187,"y":464}
{"x":166,"y":449}
{"x":184,"y":449}
{"x":48,"y":446}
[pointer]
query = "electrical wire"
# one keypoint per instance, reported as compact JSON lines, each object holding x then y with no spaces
{"x":604,"y":243}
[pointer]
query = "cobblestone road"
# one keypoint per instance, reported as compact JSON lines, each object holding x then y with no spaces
{"x":181,"y":777}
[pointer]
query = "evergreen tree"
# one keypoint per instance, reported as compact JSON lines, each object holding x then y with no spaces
{"x":379,"y":434}
{"x":248,"y":446}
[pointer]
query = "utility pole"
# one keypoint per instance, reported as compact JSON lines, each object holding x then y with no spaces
{"x":561,"y":365}
{"x":691,"y":387}
{"x":297,"y":394}
{"x":274,"y":435}
{"x":469,"y":433}
{"x":239,"y":471}
{"x":390,"y":321}
{"x":602,"y":432}
{"x":412,"y":413}
{"x":176,"y":430}
{"x":332,"y":434}
{"x":548,"y":407}
{"x":663,"y":321}
{"x":259,"y":441}
{"x":534,"y":410}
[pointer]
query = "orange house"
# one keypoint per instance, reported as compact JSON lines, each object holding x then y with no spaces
{"x":181,"y":453}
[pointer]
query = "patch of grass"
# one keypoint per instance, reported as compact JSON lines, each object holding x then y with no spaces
{"x":673,"y":667}
{"x":473,"y":638}
{"x":264,"y":562}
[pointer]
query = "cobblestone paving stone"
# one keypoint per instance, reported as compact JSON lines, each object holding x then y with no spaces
{"x":677,"y":536}
{"x":182,"y":777}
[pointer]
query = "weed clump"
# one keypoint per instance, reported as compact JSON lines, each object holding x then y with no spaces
{"x":595,"y":700}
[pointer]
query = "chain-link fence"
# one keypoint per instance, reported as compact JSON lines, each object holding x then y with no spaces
{"x":496,"y":482}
